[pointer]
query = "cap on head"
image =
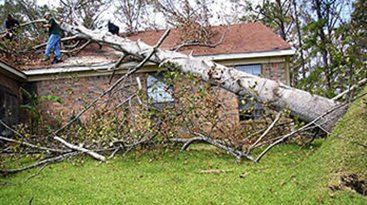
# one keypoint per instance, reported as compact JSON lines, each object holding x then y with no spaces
{"x":47,"y":14}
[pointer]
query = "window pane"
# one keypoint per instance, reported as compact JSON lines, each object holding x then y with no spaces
{"x":254,"y":69}
{"x":249,"y":109}
{"x":158,"y":91}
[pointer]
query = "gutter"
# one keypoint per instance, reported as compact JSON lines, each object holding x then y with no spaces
{"x":276,"y":53}
{"x":11,"y":72}
{"x":101,"y":69}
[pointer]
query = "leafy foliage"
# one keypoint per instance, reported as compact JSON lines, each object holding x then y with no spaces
{"x":329,"y":37}
{"x":36,"y":122}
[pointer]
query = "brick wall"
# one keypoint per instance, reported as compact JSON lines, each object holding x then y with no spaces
{"x":77,"y":92}
{"x":274,"y":71}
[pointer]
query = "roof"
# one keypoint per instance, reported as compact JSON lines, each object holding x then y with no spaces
{"x":241,"y":40}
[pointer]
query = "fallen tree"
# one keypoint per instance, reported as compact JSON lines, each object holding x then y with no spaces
{"x":302,"y":104}
{"x":318,"y":111}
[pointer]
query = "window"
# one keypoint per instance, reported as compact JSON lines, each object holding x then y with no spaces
{"x":254,"y":69}
{"x":158,"y":91}
{"x":249,"y":108}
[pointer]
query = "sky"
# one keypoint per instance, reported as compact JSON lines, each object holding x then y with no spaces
{"x":223,"y":12}
{"x":49,"y":2}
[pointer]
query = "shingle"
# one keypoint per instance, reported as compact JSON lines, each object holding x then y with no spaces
{"x":240,"y":38}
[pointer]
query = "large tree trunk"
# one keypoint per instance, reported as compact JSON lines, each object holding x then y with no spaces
{"x":302,"y":104}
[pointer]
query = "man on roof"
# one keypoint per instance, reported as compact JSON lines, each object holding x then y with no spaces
{"x":9,"y":25}
{"x":112,"y":28}
{"x":53,"y":42}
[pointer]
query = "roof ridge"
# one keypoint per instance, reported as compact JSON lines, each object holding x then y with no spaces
{"x":175,"y":29}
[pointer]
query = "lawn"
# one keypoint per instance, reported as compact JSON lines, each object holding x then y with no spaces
{"x":289,"y":174}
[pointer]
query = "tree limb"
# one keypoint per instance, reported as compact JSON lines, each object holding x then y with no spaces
{"x":301,"y":104}
{"x":40,"y":163}
{"x":341,"y":106}
{"x":33,"y":146}
{"x":81,"y":149}
{"x":355,"y":86}
{"x":265,"y":133}
{"x":187,"y":142}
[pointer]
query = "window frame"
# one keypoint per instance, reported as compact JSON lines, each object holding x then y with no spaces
{"x":257,"y":107}
{"x":247,"y":66}
{"x":152,"y":98}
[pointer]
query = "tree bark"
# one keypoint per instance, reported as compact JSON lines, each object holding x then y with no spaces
{"x":302,"y":104}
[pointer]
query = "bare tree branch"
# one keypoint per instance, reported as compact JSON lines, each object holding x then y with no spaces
{"x":33,"y":146}
{"x":353,"y":87}
{"x":40,"y":163}
{"x":265,"y":133}
{"x":303,"y":128}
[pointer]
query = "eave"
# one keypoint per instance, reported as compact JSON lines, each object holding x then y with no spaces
{"x":102,"y":69}
{"x":9,"y":71}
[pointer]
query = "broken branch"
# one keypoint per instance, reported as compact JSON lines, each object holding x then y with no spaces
{"x":40,"y":163}
{"x":355,"y":86}
{"x":265,"y":133}
{"x":299,"y":130}
{"x":81,"y":149}
{"x":33,"y":146}
{"x":187,"y":142}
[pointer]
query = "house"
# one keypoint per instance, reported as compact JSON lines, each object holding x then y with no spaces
{"x":248,"y":47}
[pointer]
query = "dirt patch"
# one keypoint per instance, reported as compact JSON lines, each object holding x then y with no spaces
{"x":352,"y":182}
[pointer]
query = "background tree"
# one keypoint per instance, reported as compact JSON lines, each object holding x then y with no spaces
{"x":274,"y":14}
{"x":132,"y":13}
{"x":89,"y":11}
{"x":326,"y":34}
{"x":192,"y":17}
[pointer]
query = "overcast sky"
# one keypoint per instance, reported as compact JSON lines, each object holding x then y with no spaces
{"x":222,"y":9}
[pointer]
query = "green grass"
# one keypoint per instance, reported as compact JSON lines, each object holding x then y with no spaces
{"x":287,"y":175}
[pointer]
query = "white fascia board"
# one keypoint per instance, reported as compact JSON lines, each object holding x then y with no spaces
{"x":218,"y":57}
{"x":68,"y":69}
{"x":104,"y":66}
{"x":12,"y":71}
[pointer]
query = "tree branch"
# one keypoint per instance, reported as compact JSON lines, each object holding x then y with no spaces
{"x":81,"y":149}
{"x":355,"y":86}
{"x":40,"y":163}
{"x":299,"y":130}
{"x":265,"y":133}
{"x":33,"y":146}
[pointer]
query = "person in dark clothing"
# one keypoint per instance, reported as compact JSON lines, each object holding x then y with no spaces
{"x":53,"y":42}
{"x":9,"y":25}
{"x":113,"y":28}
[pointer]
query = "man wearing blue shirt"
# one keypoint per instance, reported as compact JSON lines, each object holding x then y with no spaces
{"x":53,"y":42}
{"x":9,"y":25}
